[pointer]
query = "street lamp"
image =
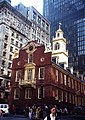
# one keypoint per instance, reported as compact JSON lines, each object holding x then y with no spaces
{"x":41,"y":95}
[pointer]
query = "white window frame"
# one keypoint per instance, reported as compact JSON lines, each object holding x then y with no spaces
{"x":28,"y":93}
{"x":16,"y":92}
{"x":57,"y":75}
{"x":43,"y":72}
{"x":39,"y":94}
{"x":17,"y":80}
{"x":30,"y":71}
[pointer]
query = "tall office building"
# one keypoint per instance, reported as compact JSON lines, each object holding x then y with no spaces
{"x":9,"y":1}
{"x":40,"y":26}
{"x":71,"y":13}
{"x":15,"y":31}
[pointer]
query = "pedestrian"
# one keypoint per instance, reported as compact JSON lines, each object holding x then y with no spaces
{"x":27,"y":111}
{"x":30,"y":112}
{"x":53,"y":114}
{"x":39,"y":113}
{"x":13,"y":109}
{"x":1,"y":114}
{"x":65,"y":111}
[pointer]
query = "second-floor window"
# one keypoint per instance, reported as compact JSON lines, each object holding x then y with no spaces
{"x":41,"y":73}
{"x":17,"y":93}
{"x":18,"y":75}
{"x":65,"y":80}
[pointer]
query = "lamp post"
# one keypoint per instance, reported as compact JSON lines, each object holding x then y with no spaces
{"x":42,"y":101}
{"x":41,"y":95}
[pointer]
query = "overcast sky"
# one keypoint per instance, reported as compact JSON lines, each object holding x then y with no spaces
{"x":37,"y":4}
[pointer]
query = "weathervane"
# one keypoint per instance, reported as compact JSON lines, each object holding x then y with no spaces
{"x":60,"y":25}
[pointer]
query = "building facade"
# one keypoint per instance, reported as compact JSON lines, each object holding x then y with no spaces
{"x":71,"y":13}
{"x":37,"y":80}
{"x":15,"y":32}
{"x":40,"y":26}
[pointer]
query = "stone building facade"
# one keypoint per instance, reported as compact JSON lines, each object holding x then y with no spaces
{"x":15,"y":32}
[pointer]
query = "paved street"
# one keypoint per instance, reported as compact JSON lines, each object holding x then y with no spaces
{"x":22,"y":117}
{"x":15,"y":117}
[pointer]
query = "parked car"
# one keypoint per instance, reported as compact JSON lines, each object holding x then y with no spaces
{"x":4,"y":108}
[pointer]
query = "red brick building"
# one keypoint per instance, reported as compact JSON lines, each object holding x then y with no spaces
{"x":35,"y":79}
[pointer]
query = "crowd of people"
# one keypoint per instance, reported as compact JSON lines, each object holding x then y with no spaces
{"x":45,"y":112}
{"x":39,"y":112}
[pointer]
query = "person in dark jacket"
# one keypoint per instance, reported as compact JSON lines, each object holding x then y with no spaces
{"x":52,"y":115}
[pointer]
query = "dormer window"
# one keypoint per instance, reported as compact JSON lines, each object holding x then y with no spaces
{"x":57,"y":46}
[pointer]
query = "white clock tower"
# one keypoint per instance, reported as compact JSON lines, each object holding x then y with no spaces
{"x":59,"y":52}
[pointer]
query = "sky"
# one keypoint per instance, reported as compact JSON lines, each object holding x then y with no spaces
{"x":37,"y":4}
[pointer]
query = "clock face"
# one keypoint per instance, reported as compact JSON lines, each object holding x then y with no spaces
{"x":30,"y":48}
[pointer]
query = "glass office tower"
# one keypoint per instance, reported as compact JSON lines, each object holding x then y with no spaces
{"x":71,"y":13}
{"x":9,"y":1}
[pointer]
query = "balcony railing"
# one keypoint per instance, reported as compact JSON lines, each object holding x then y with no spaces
{"x":27,"y":83}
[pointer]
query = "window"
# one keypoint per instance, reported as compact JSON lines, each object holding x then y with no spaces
{"x":28,"y":93}
{"x":61,"y":77}
{"x":57,"y":46}
{"x":5,"y":45}
{"x":16,"y":93}
{"x":12,"y":34}
{"x":29,"y":74}
{"x":17,"y":36}
{"x":43,"y":23}
{"x":18,"y":75}
{"x":39,"y":19}
{"x":58,"y":35}
{"x":69,"y":82}
{"x":17,"y":43}
{"x":56,"y":94}
{"x":12,"y":41}
{"x":3,"y":62}
{"x":11,"y":49}
{"x":47,"y":27}
{"x":56,"y":75}
{"x":60,"y":94}
{"x":9,"y":74}
{"x":20,"y":45}
{"x":34,"y":16}
{"x":65,"y":81}
{"x":41,"y":92}
{"x":10,"y":57}
{"x":72,"y":82}
{"x":6,"y":37}
{"x":41,"y":72}
{"x":65,"y":97}
{"x":4,"y":54}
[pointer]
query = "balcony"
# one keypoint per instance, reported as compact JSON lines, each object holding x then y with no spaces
{"x":28,"y":83}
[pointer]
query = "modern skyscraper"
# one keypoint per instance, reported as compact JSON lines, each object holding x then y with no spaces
{"x":40,"y":26}
{"x":71,"y":13}
{"x":9,"y":1}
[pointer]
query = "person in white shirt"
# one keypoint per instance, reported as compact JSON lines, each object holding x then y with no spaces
{"x":53,"y":114}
